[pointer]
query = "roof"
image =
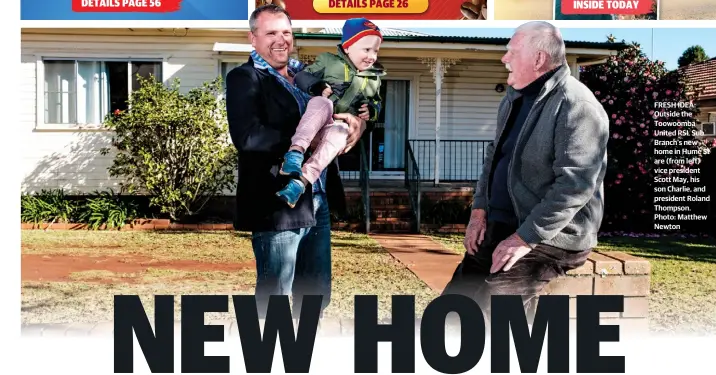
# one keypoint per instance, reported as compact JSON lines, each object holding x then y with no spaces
{"x":457,"y":39}
{"x":703,"y":76}
{"x":386,"y":32}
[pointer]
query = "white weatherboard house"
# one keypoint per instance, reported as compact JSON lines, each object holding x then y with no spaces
{"x":441,"y":93}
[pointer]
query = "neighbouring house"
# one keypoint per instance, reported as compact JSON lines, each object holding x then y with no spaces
{"x":440,"y":96}
{"x":702,"y":76}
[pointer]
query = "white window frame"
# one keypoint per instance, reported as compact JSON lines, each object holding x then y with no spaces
{"x":40,"y":124}
{"x":228,"y":58}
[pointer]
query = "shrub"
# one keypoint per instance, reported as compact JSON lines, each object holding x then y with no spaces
{"x":100,"y":208}
{"x":445,"y":211}
{"x":48,"y":206}
{"x":173,"y":147}
{"x":108,"y":209}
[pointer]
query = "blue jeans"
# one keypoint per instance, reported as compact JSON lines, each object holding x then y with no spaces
{"x":296,"y":262}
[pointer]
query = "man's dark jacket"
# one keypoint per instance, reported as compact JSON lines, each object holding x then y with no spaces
{"x":263,"y":116}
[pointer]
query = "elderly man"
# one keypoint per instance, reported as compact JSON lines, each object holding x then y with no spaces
{"x":291,"y":245}
{"x":539,"y":202}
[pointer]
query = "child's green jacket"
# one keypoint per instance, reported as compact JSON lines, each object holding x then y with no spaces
{"x":351,"y":88}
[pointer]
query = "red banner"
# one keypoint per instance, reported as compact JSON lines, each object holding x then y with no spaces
{"x":383,"y":9}
{"x":153,"y":6}
{"x":633,"y":7}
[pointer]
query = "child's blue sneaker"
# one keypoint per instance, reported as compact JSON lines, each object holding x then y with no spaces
{"x":291,"y":166}
{"x":292,"y":192}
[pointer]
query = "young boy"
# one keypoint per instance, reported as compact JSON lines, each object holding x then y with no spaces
{"x":339,"y":83}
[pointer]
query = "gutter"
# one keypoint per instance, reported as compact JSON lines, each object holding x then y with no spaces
{"x":464,"y":40}
{"x":592,"y":62}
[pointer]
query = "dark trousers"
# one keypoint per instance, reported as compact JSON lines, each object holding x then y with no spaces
{"x":527,"y":277}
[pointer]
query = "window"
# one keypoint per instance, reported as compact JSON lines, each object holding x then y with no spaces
{"x":84,"y":91}
{"x":226,"y":67}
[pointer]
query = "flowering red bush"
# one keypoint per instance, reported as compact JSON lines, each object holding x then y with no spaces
{"x":628,"y":85}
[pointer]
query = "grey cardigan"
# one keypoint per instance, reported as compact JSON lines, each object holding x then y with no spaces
{"x":555,"y":178}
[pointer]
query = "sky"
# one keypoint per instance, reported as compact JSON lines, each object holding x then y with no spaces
{"x":669,"y":43}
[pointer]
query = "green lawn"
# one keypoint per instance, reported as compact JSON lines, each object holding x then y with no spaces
{"x":84,"y":269}
{"x":683,"y":280}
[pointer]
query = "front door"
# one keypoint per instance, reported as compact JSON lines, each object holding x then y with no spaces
{"x":385,"y":145}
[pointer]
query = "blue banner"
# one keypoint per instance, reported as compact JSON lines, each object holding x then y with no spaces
{"x":190,"y":10}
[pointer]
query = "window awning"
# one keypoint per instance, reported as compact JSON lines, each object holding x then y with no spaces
{"x":232,"y":47}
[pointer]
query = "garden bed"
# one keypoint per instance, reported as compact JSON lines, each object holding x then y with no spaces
{"x":166,"y":224}
{"x":138,"y":224}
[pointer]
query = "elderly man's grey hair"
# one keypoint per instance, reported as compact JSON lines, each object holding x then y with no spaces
{"x":543,"y":36}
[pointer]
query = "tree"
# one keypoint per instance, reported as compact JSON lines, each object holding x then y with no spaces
{"x":173,"y":146}
{"x":628,"y":85}
{"x":691,"y":55}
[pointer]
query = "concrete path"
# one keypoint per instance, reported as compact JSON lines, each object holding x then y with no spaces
{"x":428,"y":260}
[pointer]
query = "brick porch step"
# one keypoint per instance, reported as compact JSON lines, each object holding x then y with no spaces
{"x":390,"y":220}
{"x":392,"y":207}
{"x":391,"y":226}
{"x":381,"y":213}
{"x":389,"y":201}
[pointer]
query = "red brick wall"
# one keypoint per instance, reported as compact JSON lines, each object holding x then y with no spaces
{"x":610,"y":273}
